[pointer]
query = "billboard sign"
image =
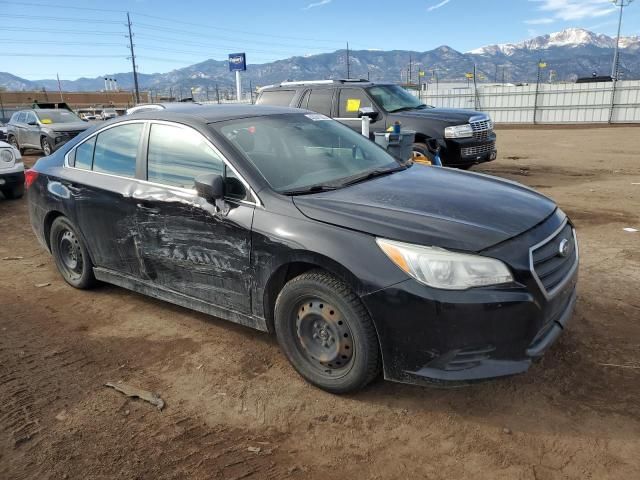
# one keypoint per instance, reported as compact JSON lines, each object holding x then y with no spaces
{"x":237,"y":62}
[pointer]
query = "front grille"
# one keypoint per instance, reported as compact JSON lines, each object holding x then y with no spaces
{"x":478,"y":150}
{"x":482,"y":129}
{"x":70,"y":134}
{"x":550,"y":267}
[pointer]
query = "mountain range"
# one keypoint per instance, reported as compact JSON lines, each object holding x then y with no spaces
{"x":569,"y":54}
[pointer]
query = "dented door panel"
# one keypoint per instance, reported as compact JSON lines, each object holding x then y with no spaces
{"x":188,"y":245}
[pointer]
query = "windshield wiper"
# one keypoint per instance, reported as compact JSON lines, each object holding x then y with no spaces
{"x":309,"y":189}
{"x":372,"y":174}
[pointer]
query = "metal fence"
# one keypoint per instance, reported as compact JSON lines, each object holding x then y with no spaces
{"x":607,"y":102}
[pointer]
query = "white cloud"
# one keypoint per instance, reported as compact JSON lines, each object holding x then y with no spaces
{"x":570,"y":10}
{"x":438,"y":5}
{"x":539,"y":21}
{"x":317,"y":4}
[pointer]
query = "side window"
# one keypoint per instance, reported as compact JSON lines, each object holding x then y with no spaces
{"x":30,"y":117}
{"x":116,"y":150}
{"x":276,"y":97}
{"x":233,"y":186}
{"x":320,"y":101}
{"x":21,"y":117}
{"x":178,"y":155}
{"x":83,"y":156}
{"x":351,"y":100}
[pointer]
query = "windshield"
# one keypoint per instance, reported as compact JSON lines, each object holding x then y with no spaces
{"x":394,"y":98}
{"x":57,"y":116}
{"x":296,"y":151}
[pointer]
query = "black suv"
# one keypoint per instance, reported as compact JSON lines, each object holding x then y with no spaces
{"x":43,"y":129}
{"x":465,"y":137}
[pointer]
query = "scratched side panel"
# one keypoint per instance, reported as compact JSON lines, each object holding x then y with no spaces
{"x":190,"y":246}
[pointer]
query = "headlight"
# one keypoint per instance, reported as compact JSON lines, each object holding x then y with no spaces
{"x":440,"y":268}
{"x":6,"y":155}
{"x":458,"y":131}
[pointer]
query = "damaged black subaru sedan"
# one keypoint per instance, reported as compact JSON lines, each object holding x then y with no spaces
{"x":286,"y":221}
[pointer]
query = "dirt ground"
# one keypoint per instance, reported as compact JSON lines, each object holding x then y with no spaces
{"x":229,"y":391}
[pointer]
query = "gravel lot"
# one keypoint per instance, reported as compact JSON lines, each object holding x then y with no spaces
{"x":236,"y":410}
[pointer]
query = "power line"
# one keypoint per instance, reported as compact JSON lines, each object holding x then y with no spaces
{"x":57,"y":30}
{"x":54,"y":42}
{"x":172,"y":21}
{"x":62,"y":19}
{"x":54,"y":54}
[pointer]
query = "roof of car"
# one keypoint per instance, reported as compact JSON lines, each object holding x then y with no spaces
{"x":216,"y":113}
{"x":322,"y":84}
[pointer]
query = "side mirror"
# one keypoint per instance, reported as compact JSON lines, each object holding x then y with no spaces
{"x":368,"y":112}
{"x":32,"y":123}
{"x":210,"y":186}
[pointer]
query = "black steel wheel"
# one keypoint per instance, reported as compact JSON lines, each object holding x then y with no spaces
{"x":70,"y":254}
{"x":326,"y":333}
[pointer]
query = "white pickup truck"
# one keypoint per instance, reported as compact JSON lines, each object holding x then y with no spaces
{"x":11,"y":172}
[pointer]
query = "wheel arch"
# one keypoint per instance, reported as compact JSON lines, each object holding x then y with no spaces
{"x":49,"y":218}
{"x":297,"y":265}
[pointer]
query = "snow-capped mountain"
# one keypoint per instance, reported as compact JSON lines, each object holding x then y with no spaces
{"x":571,"y":37}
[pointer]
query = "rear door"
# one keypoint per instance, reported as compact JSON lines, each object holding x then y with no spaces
{"x":20,"y":128}
{"x":102,"y":182}
{"x":318,"y":100}
{"x":187,"y":244}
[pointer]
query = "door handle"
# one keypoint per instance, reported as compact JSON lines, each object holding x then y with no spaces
{"x":146,"y":208}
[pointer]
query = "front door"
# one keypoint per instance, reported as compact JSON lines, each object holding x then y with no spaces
{"x":185,"y":243}
{"x":350,"y":101}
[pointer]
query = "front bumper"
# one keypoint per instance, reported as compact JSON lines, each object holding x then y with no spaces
{"x":429,"y":335}
{"x":13,"y":177}
{"x":468,"y":151}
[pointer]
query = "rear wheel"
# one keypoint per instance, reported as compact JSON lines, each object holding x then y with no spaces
{"x":13,"y":141}
{"x":47,"y":148}
{"x":326,"y":333}
{"x":70,"y":254}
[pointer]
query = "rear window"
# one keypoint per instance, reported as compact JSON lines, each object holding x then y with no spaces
{"x":276,"y":97}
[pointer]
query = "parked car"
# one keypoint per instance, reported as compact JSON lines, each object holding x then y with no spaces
{"x":11,"y":172}
{"x":146,"y":107}
{"x":287,"y":221}
{"x":43,"y":129}
{"x":108,"y":114}
{"x":466,"y":137}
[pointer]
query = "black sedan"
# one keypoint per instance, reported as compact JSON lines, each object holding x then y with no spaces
{"x":286,"y":221}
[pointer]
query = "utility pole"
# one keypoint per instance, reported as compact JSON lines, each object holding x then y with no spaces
{"x":59,"y":88}
{"x":217,"y":93}
{"x":133,"y":60}
{"x":348,"y":63}
{"x":409,"y":79}
{"x":616,"y":55}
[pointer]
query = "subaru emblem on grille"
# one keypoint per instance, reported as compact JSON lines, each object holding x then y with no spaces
{"x":563,"y":248}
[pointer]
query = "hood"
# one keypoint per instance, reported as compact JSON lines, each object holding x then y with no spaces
{"x":453,"y":115}
{"x":434,"y":207}
{"x":68,"y":127}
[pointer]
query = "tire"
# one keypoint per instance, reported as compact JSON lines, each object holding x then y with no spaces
{"x":326,"y":333}
{"x":13,"y":193}
{"x":71,"y":255}
{"x":47,"y":148}
{"x":13,"y":141}
{"x":423,"y":151}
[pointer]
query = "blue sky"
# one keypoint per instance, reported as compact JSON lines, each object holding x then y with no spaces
{"x":87,"y":38}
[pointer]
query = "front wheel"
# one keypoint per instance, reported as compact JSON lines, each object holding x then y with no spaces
{"x":71,"y":255}
{"x":326,"y":333}
{"x":47,"y":148}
